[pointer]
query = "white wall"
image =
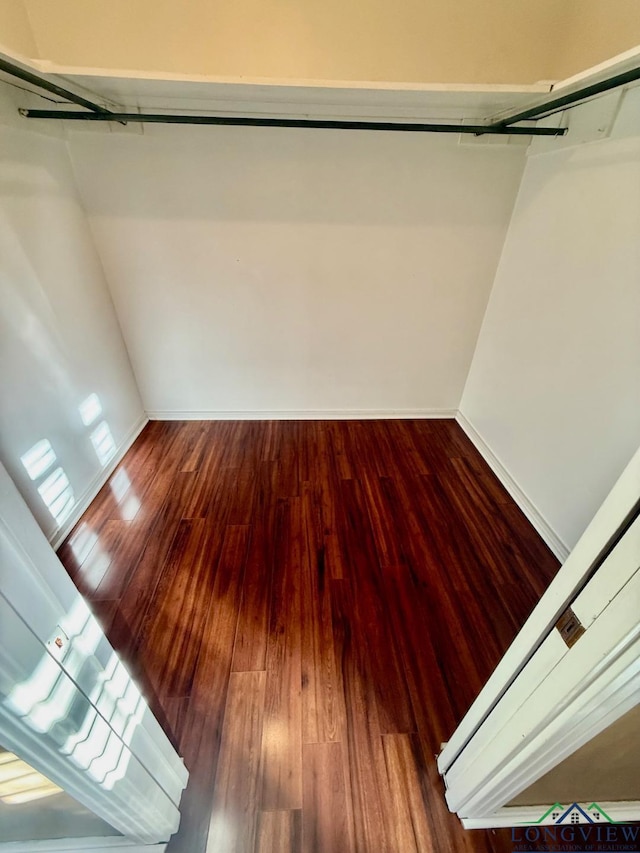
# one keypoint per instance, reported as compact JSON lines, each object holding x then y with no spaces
{"x":59,"y":337}
{"x":263,"y":270}
{"x":554,"y":388}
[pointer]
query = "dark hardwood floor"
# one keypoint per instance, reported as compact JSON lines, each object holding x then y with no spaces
{"x":310,"y":608}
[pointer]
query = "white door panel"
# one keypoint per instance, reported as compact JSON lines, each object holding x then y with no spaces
{"x":621,"y":503}
{"x":67,"y":703}
{"x":549,"y":709}
{"x":553,"y":697}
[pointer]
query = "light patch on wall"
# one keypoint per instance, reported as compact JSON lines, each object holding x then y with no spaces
{"x":58,"y":495}
{"x":103,"y":443}
{"x":101,"y":437}
{"x":38,"y":459}
{"x":55,"y":491}
{"x":90,"y":409}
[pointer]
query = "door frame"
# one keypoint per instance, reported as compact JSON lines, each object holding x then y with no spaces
{"x":567,"y":713}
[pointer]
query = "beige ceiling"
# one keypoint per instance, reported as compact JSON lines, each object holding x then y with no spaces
{"x":511,"y":42}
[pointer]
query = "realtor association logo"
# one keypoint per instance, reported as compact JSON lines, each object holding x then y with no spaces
{"x":578,"y":828}
{"x":575,"y":813}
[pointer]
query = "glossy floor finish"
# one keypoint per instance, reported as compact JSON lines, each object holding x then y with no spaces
{"x":311,"y":607}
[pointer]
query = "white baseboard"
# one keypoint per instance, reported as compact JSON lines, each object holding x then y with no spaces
{"x":534,"y":515}
{"x":555,"y":543}
{"x":96,"y":484}
{"x":82,"y":845}
{"x":513,"y":816}
{"x":300,"y":414}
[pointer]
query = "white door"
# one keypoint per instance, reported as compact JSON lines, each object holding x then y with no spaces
{"x":68,"y":706}
{"x":573,"y":669}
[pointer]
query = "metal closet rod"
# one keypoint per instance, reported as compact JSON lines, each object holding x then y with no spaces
{"x":98,"y":113}
{"x":332,"y":124}
{"x":42,"y":83}
{"x":503,"y":126}
{"x":571,"y":99}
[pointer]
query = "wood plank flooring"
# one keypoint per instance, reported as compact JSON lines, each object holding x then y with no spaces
{"x":310,"y":608}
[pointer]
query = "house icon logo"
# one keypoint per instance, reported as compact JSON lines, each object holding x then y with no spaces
{"x":574,"y":814}
{"x":563,"y":827}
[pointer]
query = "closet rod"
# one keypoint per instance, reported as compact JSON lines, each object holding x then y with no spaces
{"x":571,"y":99}
{"x":331,"y":124}
{"x":503,"y":126}
{"x":42,"y":83}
